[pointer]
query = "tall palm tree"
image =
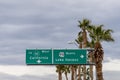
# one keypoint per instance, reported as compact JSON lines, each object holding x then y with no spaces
{"x":79,"y":41}
{"x":91,"y":57}
{"x":74,"y":67}
{"x":84,"y":24}
{"x":98,"y":34}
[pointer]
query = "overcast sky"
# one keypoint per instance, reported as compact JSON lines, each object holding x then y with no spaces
{"x":51,"y":24}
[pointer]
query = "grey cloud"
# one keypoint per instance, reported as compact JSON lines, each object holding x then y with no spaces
{"x":108,"y":75}
{"x":12,"y":59}
{"x":51,"y":23}
{"x":45,"y":77}
{"x":15,"y":40}
{"x":4,"y":76}
{"x":111,"y":75}
{"x":39,"y":12}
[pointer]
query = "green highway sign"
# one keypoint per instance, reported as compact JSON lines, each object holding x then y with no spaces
{"x":38,"y":56}
{"x":70,"y":56}
{"x":56,"y":56}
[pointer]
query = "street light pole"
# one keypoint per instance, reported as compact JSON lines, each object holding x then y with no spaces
{"x":73,"y":42}
{"x":75,"y":77}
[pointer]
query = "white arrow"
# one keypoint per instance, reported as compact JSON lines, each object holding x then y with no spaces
{"x":82,"y":56}
{"x":38,"y":61}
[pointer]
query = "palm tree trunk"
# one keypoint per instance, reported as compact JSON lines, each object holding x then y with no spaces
{"x":75,"y":77}
{"x":91,"y":72}
{"x":84,"y":69}
{"x":73,"y":72}
{"x":79,"y":72}
{"x":60,"y":75}
{"x":84,"y":34}
{"x":84,"y":46}
{"x":99,"y":71}
{"x":98,"y":60}
{"x":79,"y":66}
{"x":66,"y":76}
{"x":91,"y":66}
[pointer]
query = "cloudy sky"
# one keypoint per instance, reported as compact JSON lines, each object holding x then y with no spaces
{"x":51,"y":24}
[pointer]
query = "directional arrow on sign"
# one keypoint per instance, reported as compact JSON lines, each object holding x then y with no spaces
{"x":38,"y":61}
{"x":82,"y":56}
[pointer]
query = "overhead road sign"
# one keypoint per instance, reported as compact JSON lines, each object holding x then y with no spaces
{"x":70,"y":56}
{"x":56,"y":56}
{"x":38,"y":56}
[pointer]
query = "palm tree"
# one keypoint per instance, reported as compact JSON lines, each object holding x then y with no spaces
{"x":66,"y":70}
{"x":91,"y":58}
{"x":72,"y":72}
{"x":84,"y":24}
{"x":74,"y":67}
{"x":98,"y":34}
{"x":79,"y":41}
{"x":60,"y":70}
